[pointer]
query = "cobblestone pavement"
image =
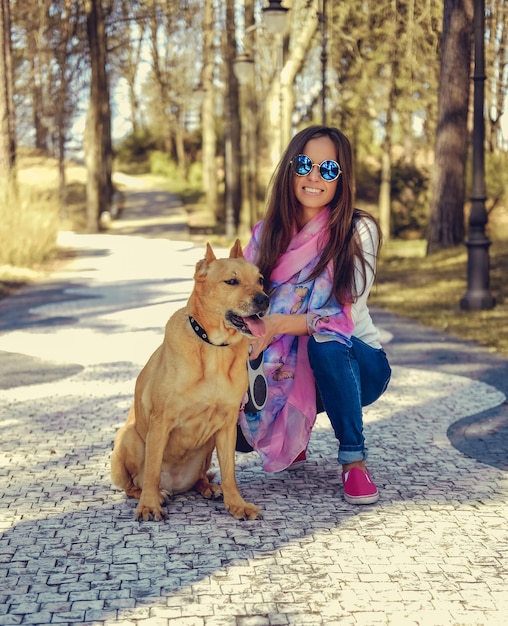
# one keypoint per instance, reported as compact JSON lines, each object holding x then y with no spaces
{"x":432,"y":551}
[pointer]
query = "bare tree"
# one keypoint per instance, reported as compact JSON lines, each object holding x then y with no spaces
{"x":67,"y":45}
{"x":446,"y":227}
{"x":126,"y":54}
{"x":33,"y":18}
{"x":174,"y":36}
{"x":161,"y":77}
{"x":49,"y":39}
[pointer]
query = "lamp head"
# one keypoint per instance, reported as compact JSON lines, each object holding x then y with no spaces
{"x":274,"y":16}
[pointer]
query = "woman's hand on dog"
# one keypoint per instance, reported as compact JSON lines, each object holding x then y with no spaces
{"x":278,"y":324}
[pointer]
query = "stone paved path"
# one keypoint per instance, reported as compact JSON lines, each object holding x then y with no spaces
{"x":432,"y":551}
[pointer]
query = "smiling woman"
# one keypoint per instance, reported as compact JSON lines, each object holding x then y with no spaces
{"x":317,"y":254}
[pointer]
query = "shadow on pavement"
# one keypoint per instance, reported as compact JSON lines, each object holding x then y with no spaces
{"x":483,"y":437}
{"x":20,"y":369}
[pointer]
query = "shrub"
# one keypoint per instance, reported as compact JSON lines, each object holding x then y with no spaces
{"x":367,"y":181}
{"x":136,"y":147}
{"x":162,"y":165}
{"x":496,"y":178}
{"x":410,"y":200}
{"x":195,"y":177}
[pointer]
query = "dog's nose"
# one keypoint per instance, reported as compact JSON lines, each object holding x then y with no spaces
{"x":261,"y":300}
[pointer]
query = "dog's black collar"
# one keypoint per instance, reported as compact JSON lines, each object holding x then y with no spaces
{"x":201,"y":333}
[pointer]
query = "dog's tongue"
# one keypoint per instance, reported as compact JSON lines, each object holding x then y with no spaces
{"x":256,"y":325}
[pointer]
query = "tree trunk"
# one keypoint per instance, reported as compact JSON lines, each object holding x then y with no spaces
{"x":40,"y":124}
{"x":180,"y":149}
{"x":161,"y":79}
{"x":7,"y":122}
{"x":232,"y":129}
{"x":208,"y":111}
{"x":98,"y":150}
{"x":62,"y":186}
{"x":408,"y":156}
{"x":60,"y":124}
{"x":385,"y":189}
{"x":133,"y":57}
{"x":446,"y":226}
{"x":496,"y":28}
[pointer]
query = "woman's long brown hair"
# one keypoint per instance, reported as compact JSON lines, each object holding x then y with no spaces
{"x":283,"y":211}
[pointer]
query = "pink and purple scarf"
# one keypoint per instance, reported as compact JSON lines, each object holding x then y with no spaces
{"x":281,"y":431}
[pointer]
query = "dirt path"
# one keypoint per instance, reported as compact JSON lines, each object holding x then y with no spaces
{"x":148,"y":212}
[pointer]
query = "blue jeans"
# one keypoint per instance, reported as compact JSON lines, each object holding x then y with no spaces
{"x":348,"y":378}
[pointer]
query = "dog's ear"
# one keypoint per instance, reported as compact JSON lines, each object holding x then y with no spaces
{"x":202,"y":266}
{"x":201,"y":269}
{"x":236,"y":251}
{"x":209,"y":256}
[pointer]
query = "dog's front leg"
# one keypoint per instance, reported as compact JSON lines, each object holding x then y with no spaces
{"x":152,"y":498}
{"x":225,"y":443}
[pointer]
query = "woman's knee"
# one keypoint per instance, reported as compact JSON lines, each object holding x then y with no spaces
{"x":375,"y":378}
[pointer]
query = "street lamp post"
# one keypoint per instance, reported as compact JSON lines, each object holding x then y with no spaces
{"x":274,"y":17}
{"x":245,"y":73}
{"x":478,"y":296}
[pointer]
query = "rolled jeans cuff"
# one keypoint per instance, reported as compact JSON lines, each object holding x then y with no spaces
{"x":350,"y":455}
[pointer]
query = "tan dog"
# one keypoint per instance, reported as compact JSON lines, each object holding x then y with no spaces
{"x":188,"y":395}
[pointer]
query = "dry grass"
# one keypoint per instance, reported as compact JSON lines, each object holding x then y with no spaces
{"x":29,"y":225}
{"x":31,"y":221}
{"x":39,"y":174}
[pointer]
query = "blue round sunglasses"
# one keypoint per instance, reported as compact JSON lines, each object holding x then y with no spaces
{"x":328,"y":170}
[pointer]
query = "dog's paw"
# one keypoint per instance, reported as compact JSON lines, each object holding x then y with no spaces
{"x":145,"y":513}
{"x":165,"y":497}
{"x":133,"y":492}
{"x":210,"y":491}
{"x":213,"y":493}
{"x":216,"y":492}
{"x":245,"y":511}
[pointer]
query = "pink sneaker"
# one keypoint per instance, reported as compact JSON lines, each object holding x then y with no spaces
{"x":358,"y":487}
{"x":299,"y":461}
